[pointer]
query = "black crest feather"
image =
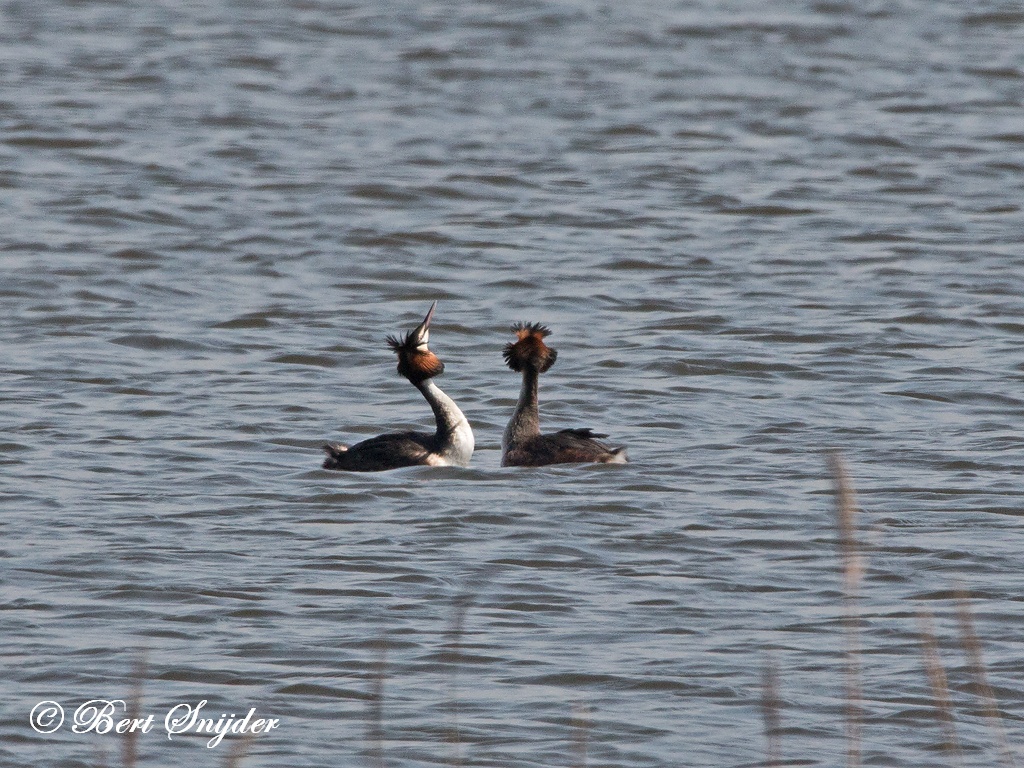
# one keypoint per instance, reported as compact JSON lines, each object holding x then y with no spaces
{"x":522,"y":330}
{"x":398,"y":343}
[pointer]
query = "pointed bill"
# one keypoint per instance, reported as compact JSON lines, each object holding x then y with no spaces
{"x":421,"y":335}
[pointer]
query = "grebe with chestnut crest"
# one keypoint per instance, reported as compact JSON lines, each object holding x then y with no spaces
{"x":522,"y":444}
{"x":450,"y":444}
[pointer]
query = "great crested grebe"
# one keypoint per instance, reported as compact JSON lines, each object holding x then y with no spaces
{"x":522,"y":444}
{"x":450,"y":444}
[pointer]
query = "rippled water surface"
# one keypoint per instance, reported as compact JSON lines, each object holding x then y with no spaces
{"x":757,"y":230}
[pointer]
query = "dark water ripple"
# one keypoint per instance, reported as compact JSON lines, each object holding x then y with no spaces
{"x":758,"y":231}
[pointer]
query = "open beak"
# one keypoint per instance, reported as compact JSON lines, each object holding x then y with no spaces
{"x":422,"y":332}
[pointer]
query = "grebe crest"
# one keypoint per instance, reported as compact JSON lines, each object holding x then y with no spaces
{"x":415,"y":361}
{"x":530,"y":350}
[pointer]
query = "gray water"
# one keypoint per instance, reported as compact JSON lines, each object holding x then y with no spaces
{"x":759,"y":231}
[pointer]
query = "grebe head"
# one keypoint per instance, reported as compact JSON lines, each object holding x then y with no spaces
{"x":530,"y":350}
{"x":415,"y":361}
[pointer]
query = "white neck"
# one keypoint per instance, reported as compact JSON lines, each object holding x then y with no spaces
{"x":454,"y":435}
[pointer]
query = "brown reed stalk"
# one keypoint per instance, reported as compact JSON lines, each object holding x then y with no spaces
{"x":972,"y":647}
{"x":771,"y":709}
{"x":133,"y":708}
{"x":375,"y":714}
{"x":453,"y":647}
{"x":853,"y":569}
{"x":130,"y":741}
{"x":581,"y":734}
{"x":939,"y":685}
{"x":239,"y":749}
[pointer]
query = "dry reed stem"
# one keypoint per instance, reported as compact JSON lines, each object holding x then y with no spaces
{"x":239,"y":749}
{"x":133,"y":708}
{"x":771,"y":709}
{"x":375,"y":715}
{"x":130,"y":742}
{"x":939,"y":685}
{"x":853,"y":569}
{"x":453,"y":646}
{"x":580,"y":734}
{"x":972,"y":647}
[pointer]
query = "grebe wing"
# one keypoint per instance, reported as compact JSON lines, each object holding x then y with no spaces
{"x":568,"y":446}
{"x":586,"y":433}
{"x":388,"y":451}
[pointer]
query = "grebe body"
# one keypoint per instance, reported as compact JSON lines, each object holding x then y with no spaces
{"x":523,"y":445}
{"x":451,"y":444}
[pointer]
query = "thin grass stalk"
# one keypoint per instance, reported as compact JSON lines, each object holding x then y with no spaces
{"x":130,"y":741}
{"x":771,"y":709}
{"x":972,"y":648}
{"x":853,"y":568}
{"x":453,"y":646}
{"x":580,"y":734}
{"x":375,"y":713}
{"x":239,"y":749}
{"x":939,"y":685}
